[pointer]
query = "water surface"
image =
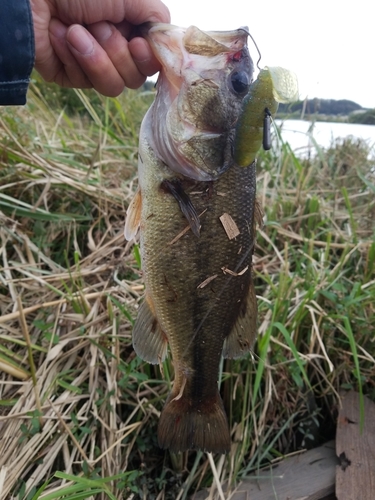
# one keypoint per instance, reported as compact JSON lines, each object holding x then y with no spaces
{"x":301,"y":134}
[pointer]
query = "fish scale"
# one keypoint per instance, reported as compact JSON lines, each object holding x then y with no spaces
{"x":198,"y":320}
{"x":200,"y":297}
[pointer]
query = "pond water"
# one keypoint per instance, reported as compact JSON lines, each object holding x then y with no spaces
{"x":302,"y":134}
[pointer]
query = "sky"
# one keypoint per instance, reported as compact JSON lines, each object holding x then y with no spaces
{"x":329,"y":44}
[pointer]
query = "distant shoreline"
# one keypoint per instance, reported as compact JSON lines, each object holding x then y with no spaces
{"x":320,"y":118}
{"x":327,"y":110}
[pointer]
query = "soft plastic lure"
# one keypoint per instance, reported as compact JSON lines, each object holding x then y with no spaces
{"x":272,"y":86}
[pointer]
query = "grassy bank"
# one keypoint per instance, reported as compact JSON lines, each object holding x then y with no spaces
{"x":78,"y":409}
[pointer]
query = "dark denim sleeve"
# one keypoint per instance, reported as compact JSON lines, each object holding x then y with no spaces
{"x":16,"y":50}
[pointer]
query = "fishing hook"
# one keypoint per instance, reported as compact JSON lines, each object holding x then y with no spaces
{"x":267,"y":129}
{"x":254,"y":42}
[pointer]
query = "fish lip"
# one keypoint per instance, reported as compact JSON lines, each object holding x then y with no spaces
{"x":149,"y":27}
{"x":146,"y":28}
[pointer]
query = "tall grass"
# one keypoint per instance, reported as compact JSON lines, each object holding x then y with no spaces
{"x":78,"y":409}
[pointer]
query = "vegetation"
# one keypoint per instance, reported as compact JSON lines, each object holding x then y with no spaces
{"x":366,"y":117}
{"x":78,"y":409}
{"x":323,"y":106}
{"x":327,"y":110}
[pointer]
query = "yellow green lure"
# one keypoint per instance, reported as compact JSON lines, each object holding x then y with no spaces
{"x":272,"y":86}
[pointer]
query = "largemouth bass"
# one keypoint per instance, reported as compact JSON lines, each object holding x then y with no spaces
{"x":195,"y":208}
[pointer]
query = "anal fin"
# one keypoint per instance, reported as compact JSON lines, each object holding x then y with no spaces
{"x":243,"y":334}
{"x":149,"y":340}
{"x":133,"y":216}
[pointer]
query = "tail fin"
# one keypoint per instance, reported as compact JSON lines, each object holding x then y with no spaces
{"x":185,"y":426}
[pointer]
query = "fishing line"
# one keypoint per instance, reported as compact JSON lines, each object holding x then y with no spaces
{"x":256,"y":46}
{"x":230,"y":277}
{"x":210,"y":309}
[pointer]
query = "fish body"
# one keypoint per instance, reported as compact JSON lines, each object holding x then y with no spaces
{"x":195,"y":208}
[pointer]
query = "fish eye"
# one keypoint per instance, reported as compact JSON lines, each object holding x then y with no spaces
{"x":240,"y":82}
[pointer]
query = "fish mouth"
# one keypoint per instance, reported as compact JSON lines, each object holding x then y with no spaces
{"x":207,"y":43}
{"x":196,"y":107}
{"x":171,"y":44}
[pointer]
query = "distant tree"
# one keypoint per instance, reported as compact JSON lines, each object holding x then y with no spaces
{"x":366,"y":118}
{"x":322,"y":106}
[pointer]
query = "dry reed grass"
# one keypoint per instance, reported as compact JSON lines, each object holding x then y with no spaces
{"x":73,"y":396}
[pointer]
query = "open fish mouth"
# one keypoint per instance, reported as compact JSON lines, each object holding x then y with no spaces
{"x":204,"y":78}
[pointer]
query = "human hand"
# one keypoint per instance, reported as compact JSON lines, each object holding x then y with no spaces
{"x":92,"y":43}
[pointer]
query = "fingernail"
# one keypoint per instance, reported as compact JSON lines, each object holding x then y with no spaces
{"x":101,"y":31}
{"x":80,"y":40}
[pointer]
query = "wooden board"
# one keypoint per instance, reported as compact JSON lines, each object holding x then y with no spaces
{"x":355,"y":477}
{"x":306,"y":476}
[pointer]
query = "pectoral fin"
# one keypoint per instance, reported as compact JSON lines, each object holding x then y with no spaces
{"x":149,"y":340}
{"x":185,"y":203}
{"x":133,"y":216}
{"x":241,"y":338}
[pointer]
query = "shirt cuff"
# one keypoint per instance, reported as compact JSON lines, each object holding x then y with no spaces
{"x":17,"y":50}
